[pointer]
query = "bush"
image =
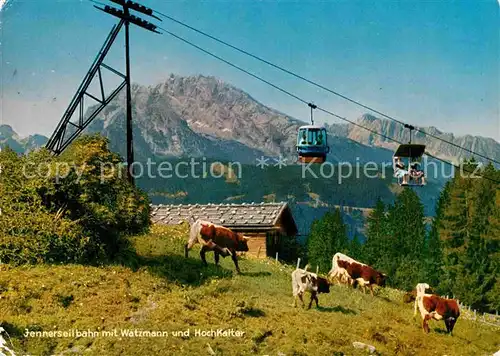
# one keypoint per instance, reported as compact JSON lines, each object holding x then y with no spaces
{"x":60,"y":209}
{"x":36,"y":237}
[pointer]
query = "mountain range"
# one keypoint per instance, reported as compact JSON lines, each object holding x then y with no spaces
{"x":204,"y":116}
{"x":200,"y":116}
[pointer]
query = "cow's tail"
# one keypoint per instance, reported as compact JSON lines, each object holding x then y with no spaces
{"x":194,"y":233}
{"x":334,"y":271}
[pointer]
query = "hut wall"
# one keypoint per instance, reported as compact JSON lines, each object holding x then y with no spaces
{"x":256,"y":244}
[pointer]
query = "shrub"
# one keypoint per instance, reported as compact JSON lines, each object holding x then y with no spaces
{"x":61,"y":209}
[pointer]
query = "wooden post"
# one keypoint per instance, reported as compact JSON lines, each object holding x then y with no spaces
{"x":258,"y":252}
{"x":475,"y":316}
{"x":276,"y":256}
{"x":298,"y":263}
{"x":317,"y":269}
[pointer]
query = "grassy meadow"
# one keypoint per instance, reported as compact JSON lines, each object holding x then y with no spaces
{"x":155,"y":288}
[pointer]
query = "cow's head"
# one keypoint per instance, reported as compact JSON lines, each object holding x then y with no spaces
{"x":450,"y":324}
{"x":323,"y":285}
{"x":380,"y":279}
{"x":242,"y":243}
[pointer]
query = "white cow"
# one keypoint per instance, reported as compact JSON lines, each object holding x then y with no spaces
{"x":305,"y":281}
{"x":338,"y":273}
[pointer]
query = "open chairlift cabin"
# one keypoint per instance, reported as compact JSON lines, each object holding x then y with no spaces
{"x":312,"y":144}
{"x":409,"y":173}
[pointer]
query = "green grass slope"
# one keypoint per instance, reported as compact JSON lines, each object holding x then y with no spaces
{"x":156,"y":289}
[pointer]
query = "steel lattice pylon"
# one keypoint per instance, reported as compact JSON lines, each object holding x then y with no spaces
{"x":67,"y":130}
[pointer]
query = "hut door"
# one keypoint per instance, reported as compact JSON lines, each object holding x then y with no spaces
{"x":272,"y":243}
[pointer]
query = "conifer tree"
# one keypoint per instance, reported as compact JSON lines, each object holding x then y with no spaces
{"x":456,"y":229}
{"x":492,"y":243}
{"x":328,"y":236}
{"x":406,"y":226}
{"x":469,"y":238}
{"x":433,"y":251}
{"x":376,"y":234}
{"x":355,"y":248}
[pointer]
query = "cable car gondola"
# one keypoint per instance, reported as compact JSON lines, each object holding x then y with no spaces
{"x":312,"y":143}
{"x":409,"y":173}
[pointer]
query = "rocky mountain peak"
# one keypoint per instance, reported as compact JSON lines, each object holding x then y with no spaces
{"x":6,"y":131}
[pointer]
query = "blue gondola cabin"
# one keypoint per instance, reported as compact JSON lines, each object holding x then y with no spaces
{"x":312,"y":145}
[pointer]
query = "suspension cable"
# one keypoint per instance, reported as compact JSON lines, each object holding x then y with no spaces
{"x":303,"y":100}
{"x":322,"y":86}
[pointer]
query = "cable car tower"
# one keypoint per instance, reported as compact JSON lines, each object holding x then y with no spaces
{"x":67,"y":130}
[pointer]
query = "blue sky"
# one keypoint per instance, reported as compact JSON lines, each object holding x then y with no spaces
{"x":424,"y":62}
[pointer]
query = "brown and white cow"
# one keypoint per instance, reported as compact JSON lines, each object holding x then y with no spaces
{"x":432,"y":306}
{"x":305,"y":281}
{"x":338,"y":273}
{"x":217,"y":238}
{"x":363,"y":275}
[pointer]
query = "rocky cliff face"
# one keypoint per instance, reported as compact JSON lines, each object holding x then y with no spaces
{"x":198,"y":116}
{"x":203,"y":116}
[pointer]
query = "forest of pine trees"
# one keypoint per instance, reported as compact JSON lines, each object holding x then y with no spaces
{"x":458,"y":254}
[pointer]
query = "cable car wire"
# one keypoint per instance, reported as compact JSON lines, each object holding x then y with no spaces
{"x":275,"y":86}
{"x":321,"y":86}
{"x":303,"y":100}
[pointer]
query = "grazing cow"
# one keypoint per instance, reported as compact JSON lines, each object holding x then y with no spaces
{"x":434,"y":307}
{"x":338,"y":273}
{"x":363,"y":275}
{"x":303,"y":281}
{"x":220,"y":239}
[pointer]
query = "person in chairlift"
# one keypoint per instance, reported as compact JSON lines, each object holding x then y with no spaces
{"x":416,"y":173}
{"x":400,"y":170}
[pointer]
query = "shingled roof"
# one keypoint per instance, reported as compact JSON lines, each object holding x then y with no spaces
{"x":243,"y":216}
